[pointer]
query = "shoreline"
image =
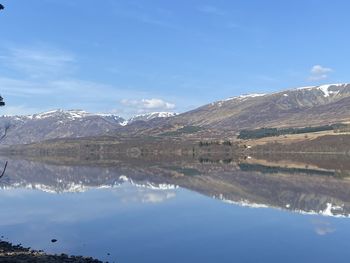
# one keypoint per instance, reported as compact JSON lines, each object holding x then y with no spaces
{"x":16,"y":253}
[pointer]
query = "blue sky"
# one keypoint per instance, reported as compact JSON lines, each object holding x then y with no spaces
{"x":135,"y":56}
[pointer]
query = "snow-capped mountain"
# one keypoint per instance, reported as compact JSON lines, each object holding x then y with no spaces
{"x":311,"y":95}
{"x":70,"y":114}
{"x":299,"y":107}
{"x":151,"y":116}
{"x":65,"y":124}
{"x":66,"y":115}
{"x":56,"y":124}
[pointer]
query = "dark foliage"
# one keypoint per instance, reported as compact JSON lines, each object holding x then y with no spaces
{"x":210,"y":143}
{"x":275,"y":170}
{"x":271,"y":132}
{"x":184,"y":130}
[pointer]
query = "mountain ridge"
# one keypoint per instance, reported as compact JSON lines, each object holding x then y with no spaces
{"x":294,"y":107}
{"x":299,"y":107}
{"x":55,"y":124}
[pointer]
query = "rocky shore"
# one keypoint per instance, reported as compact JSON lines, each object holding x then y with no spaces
{"x":16,"y":253}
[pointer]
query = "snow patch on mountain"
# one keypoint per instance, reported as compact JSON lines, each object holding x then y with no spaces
{"x":325,"y":89}
{"x":246,"y":96}
{"x":151,"y":116}
{"x":63,"y":117}
{"x":238,"y":98}
{"x":123,"y":123}
{"x":71,"y":114}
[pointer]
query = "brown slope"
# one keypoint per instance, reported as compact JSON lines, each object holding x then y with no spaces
{"x":292,"y":108}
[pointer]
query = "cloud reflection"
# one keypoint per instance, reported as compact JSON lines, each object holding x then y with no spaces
{"x":323,"y":228}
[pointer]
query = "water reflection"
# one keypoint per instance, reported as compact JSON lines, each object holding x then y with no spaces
{"x":193,"y":210}
{"x":296,"y":186}
{"x":323,"y":227}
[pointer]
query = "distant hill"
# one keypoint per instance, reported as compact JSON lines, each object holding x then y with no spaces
{"x":296,"y":107}
{"x":301,"y":107}
{"x":65,"y":124}
{"x":150,"y":116}
{"x":56,"y":124}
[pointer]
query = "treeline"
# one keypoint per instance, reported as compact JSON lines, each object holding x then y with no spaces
{"x":272,"y":132}
{"x":210,"y":143}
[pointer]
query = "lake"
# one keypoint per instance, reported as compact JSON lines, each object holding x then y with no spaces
{"x":179,"y":210}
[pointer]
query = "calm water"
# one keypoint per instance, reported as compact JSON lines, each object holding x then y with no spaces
{"x":190,"y":213}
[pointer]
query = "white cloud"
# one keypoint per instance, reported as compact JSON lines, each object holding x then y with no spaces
{"x":44,"y":78}
{"x":22,"y":88}
{"x":39,"y":62}
{"x":157,"y":104}
{"x":145,"y":105}
{"x":71,"y":89}
{"x":36,"y":95}
{"x":319,"y":72}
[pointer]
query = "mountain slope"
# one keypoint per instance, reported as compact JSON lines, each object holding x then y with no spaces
{"x":67,"y":124}
{"x":308,"y":106}
{"x":151,"y":116}
{"x":297,"y":107}
{"x":56,"y":124}
{"x":300,"y":107}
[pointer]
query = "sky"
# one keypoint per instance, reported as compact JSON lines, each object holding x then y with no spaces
{"x":136,"y":56}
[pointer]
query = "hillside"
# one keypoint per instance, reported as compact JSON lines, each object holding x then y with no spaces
{"x":301,"y":107}
{"x":318,"y":105}
{"x":58,"y":124}
{"x":150,"y":116}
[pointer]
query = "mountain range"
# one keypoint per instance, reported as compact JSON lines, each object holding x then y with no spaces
{"x":301,"y":107}
{"x":306,"y":106}
{"x":65,"y":124}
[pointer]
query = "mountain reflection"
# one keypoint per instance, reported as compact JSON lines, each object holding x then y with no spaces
{"x":304,"y":185}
